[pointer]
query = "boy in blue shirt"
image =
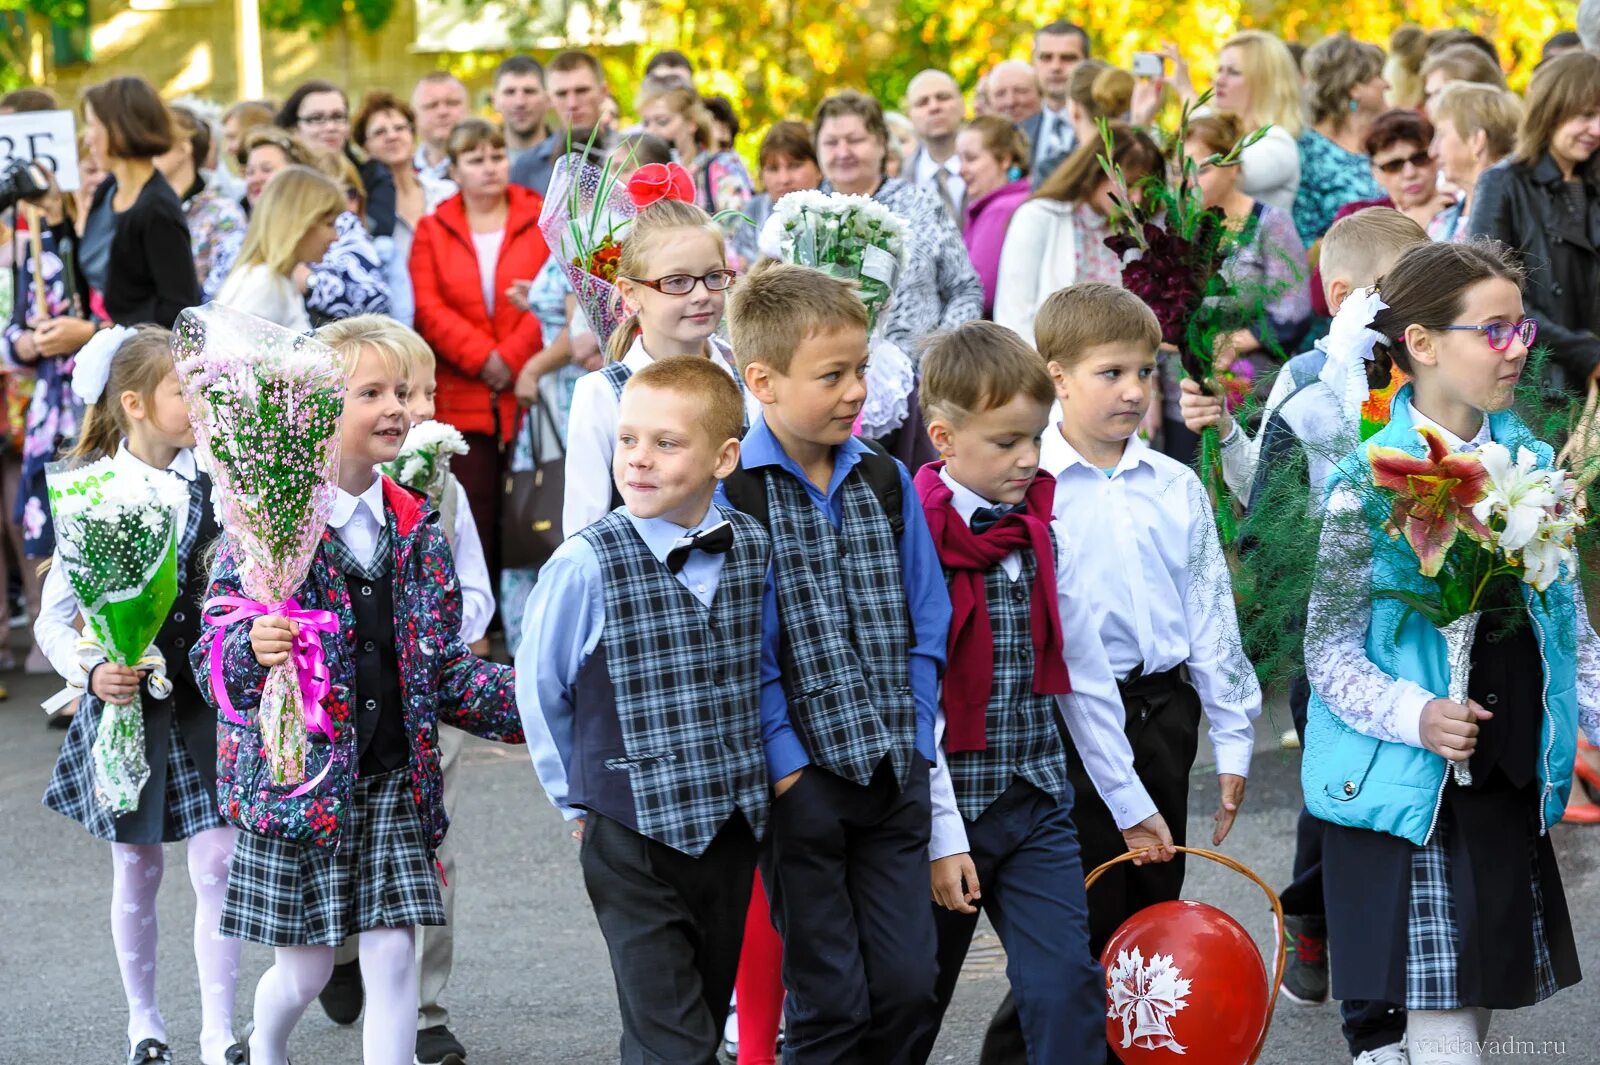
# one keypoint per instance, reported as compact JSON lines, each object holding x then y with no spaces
{"x":858,"y":608}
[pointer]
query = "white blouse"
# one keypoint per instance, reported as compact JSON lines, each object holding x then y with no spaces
{"x":265,"y":293}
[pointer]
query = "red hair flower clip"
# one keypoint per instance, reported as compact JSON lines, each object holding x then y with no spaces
{"x":660,"y":181}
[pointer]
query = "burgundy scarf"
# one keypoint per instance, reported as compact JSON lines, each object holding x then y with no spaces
{"x":967,"y":556}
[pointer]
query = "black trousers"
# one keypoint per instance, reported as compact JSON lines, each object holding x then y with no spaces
{"x":846,"y":871}
{"x":1025,"y":850}
{"x":673,"y":926}
{"x":1163,"y":728}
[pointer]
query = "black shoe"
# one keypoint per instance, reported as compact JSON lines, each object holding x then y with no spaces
{"x":1305,"y":977}
{"x":343,"y":996}
{"x":436,"y":1046}
{"x":150,"y":1051}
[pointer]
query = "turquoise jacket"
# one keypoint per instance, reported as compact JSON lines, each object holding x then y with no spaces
{"x":1361,"y":782}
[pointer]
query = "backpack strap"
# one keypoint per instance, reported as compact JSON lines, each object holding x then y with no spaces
{"x":747,"y":492}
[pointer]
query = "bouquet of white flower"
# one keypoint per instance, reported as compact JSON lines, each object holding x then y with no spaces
{"x":116,"y":533}
{"x":853,"y":237}
{"x":424,"y":459}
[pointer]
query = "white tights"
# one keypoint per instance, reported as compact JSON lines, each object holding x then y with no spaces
{"x":389,"y":972}
{"x":1446,"y":1037}
{"x":136,"y":871}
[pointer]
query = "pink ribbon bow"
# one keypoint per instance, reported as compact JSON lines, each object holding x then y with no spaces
{"x":310,"y":665}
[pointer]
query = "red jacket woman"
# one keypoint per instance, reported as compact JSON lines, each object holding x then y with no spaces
{"x":463,"y":259}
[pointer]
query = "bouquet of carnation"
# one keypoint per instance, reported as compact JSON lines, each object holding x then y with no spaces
{"x":424,"y":459}
{"x":853,"y":237}
{"x":266,"y":405}
{"x":117,"y":544}
{"x":1181,"y":246}
{"x":1475,"y":518}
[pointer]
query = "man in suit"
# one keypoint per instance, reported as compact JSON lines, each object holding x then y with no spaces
{"x":933,"y":100}
{"x":1058,"y":48}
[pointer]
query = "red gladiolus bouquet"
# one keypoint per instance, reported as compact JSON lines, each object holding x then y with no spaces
{"x":1173,"y":249}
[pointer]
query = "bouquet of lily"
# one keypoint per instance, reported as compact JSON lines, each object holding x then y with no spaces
{"x":1173,"y":248}
{"x":1473,"y":518}
{"x":116,"y":535}
{"x":424,"y":459}
{"x":853,"y":237}
{"x":266,"y":405}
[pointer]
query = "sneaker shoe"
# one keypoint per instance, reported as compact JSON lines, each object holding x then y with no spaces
{"x":150,"y":1052}
{"x":1305,"y":977}
{"x":436,"y":1046}
{"x":1393,"y":1054}
{"x":343,"y":996}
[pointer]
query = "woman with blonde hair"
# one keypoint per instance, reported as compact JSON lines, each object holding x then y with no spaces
{"x":1097,"y":91}
{"x":1258,"y":80}
{"x":291,"y":228}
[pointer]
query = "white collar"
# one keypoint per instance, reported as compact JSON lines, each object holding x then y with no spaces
{"x":1057,"y":456}
{"x":182,"y":463}
{"x":926,"y":167}
{"x":661,"y":535}
{"x":345,"y":504}
{"x":965,"y":501}
{"x":1454,"y":442}
{"x":637,"y":358}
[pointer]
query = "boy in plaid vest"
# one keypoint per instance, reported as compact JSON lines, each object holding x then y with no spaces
{"x":849,"y":685}
{"x":1003,"y":836}
{"x":639,"y":688}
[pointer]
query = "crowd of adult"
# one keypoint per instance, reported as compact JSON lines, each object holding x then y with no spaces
{"x":422,"y":207}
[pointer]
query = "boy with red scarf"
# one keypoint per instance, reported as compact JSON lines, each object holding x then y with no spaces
{"x":1023,"y":659}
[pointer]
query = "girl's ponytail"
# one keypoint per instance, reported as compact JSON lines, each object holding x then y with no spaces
{"x":139,"y":364}
{"x":622,"y":338}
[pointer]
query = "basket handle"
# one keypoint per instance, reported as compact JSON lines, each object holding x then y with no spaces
{"x":1277,"y":916}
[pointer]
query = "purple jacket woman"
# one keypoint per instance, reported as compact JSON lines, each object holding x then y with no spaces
{"x":984,"y":231}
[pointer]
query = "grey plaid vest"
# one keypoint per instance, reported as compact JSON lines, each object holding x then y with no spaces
{"x":846,"y":629}
{"x":686,"y":684}
{"x":1024,"y":740}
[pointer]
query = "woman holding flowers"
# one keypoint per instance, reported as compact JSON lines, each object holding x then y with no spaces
{"x":1442,"y":887}
{"x":137,"y":420}
{"x":939,"y":288}
{"x":464,"y":259}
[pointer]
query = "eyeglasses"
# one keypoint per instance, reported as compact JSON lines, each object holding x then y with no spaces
{"x":332,"y":118}
{"x":1500,"y":333}
{"x":683,"y":284}
{"x":1416,"y":159}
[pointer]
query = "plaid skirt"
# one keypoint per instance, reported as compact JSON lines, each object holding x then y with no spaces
{"x":283,"y":894}
{"x":178,"y":801}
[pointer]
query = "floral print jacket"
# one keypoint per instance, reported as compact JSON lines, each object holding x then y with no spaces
{"x":440,"y":680}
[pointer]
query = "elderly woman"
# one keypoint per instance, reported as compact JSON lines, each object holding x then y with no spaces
{"x":1546,"y":201}
{"x":1474,"y":127}
{"x":1345,"y":90}
{"x":939,"y":288}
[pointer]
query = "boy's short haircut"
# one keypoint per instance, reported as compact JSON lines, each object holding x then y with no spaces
{"x":777,"y":305}
{"x":1360,"y":247}
{"x":977,"y":367}
{"x":397,"y":345}
{"x":1089,"y":314}
{"x":699,"y":378}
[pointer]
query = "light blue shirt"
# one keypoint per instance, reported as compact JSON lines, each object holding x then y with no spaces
{"x":565,"y":617}
{"x":927,"y":599}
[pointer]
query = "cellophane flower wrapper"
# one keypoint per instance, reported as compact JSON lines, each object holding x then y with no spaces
{"x":584,"y":219}
{"x":117,"y":545}
{"x":266,"y":404}
{"x":851,"y":237}
{"x":424,"y":459}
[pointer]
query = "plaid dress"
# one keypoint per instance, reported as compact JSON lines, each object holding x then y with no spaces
{"x":180,"y":798}
{"x":283,"y":894}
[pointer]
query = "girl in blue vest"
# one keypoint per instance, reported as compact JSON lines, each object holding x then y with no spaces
{"x":1443,"y":896}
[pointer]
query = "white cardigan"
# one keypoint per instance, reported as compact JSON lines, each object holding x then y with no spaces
{"x":265,"y":293}
{"x":1039,"y":257}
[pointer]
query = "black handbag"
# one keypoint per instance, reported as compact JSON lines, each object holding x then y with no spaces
{"x":530,"y":513}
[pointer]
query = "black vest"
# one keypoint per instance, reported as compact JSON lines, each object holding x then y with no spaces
{"x":380,"y":719}
{"x":1507,"y":679}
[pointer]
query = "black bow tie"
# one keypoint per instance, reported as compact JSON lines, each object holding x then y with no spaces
{"x":717,"y":540}
{"x":985,"y":518}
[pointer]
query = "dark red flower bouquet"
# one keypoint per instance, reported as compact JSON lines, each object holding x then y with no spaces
{"x":1173,"y":248}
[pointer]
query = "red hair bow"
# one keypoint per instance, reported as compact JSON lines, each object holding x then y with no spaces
{"x":660,"y":181}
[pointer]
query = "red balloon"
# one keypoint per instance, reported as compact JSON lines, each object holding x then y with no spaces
{"x":1185,"y":985}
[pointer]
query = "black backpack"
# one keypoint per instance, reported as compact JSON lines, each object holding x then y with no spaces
{"x":747,"y":489}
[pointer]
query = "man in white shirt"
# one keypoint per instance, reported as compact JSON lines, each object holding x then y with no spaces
{"x":933,"y":100}
{"x":440,"y":101}
{"x":1058,"y":48}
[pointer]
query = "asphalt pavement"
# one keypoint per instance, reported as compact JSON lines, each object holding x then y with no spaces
{"x":531,"y":982}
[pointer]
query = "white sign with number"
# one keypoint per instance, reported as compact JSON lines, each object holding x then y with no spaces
{"x":46,"y":137}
